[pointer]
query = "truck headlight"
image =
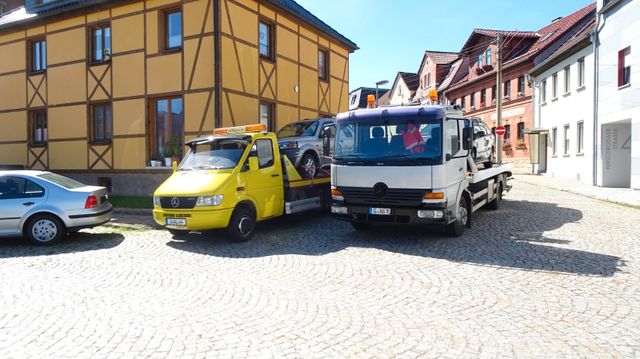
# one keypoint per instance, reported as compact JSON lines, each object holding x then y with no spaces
{"x":430,"y":214}
{"x":209,"y":201}
{"x":156,"y":201}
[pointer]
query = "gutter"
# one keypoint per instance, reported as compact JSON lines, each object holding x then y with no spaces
{"x":596,"y":82}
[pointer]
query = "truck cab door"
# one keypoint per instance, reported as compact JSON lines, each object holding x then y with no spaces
{"x":456,"y":166}
{"x":265,"y":184}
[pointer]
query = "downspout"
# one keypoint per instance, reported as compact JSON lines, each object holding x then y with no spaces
{"x":596,"y":81}
{"x":217,"y":65}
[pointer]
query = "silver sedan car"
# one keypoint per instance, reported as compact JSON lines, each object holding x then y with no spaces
{"x":44,"y":206}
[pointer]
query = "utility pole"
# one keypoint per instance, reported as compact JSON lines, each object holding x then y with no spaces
{"x":499,"y":99}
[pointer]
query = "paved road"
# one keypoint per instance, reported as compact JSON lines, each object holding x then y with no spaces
{"x":550,"y":274}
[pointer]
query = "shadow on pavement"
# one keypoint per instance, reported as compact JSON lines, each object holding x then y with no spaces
{"x":512,"y":237}
{"x":77,"y":242}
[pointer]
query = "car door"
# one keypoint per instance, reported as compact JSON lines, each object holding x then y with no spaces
{"x":328,"y":135}
{"x":479,"y":140}
{"x":17,"y":197}
{"x":265,"y":183}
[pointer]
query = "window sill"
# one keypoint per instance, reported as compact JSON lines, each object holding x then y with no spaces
{"x":325,"y":80}
{"x":554,"y":99}
{"x":624,"y":86}
{"x":98,"y":63}
{"x":565,"y":156}
{"x":33,"y":73}
{"x":554,"y":156}
{"x":543,"y":103}
{"x":100,"y":143}
{"x":566,"y":94}
{"x":581,"y":88}
{"x":170,"y":50}
{"x":581,"y":154}
{"x":38,"y":145}
{"x":269,"y":59}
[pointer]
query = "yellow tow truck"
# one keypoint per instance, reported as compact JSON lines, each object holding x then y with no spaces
{"x":234,"y":179}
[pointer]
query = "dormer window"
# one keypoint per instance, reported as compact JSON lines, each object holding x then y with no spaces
{"x":488,"y":56}
{"x":479,"y":61}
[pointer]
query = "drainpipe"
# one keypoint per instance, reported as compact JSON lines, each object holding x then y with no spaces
{"x":596,"y":80}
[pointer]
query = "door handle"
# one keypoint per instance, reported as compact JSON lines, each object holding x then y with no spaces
{"x":28,"y":203}
{"x":460,"y":169}
{"x":275,"y":175}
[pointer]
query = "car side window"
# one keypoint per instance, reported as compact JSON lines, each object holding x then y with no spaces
{"x":330,"y":129}
{"x":264,"y":148}
{"x":477,"y":129}
{"x":16,"y":187}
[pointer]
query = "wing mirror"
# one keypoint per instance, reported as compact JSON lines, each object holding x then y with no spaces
{"x":480,"y":134}
{"x":467,"y":138}
{"x":253,"y":164}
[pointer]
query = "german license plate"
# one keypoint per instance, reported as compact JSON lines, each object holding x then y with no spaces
{"x":380,"y":211}
{"x":176,"y":222}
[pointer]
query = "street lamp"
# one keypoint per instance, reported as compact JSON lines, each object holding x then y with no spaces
{"x":379,"y":83}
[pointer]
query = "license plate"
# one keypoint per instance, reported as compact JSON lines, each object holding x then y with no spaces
{"x":176,"y":222}
{"x":380,"y":211}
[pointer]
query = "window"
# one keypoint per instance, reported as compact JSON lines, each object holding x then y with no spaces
{"x":167,"y":128}
{"x":494,"y":89}
{"x":483,"y":97}
{"x":266,"y":115}
{"x":264,"y":149}
{"x":566,"y":140}
{"x":507,"y":88}
{"x":624,"y":67}
{"x":521,"y":130}
{"x":581,"y":72}
{"x":38,"y":55}
{"x":424,"y":81}
{"x":172,"y":29}
{"x":554,"y":141}
{"x":101,"y":43}
{"x":101,"y":123}
{"x":17,"y":187}
{"x":580,"y":137}
{"x":488,"y":56}
{"x":323,"y":65}
{"x":554,"y":86}
{"x":521,"y":85}
{"x":428,"y":80}
{"x":266,"y":40}
{"x":453,"y":137}
{"x":472,"y":98}
{"x":479,"y":60}
{"x":507,"y":132}
{"x":38,"y":125}
{"x":463,"y":102}
{"x":567,"y":79}
{"x":544,"y":91}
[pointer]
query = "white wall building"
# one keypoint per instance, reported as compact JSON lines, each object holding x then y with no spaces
{"x":563,"y":105}
{"x":618,"y":92}
{"x":404,"y":88}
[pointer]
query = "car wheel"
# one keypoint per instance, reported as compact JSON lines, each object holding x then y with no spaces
{"x":456,"y":229}
{"x":309,"y":165}
{"x":489,"y":163}
{"x":44,"y":230}
{"x":359,"y":226}
{"x":242,"y":225}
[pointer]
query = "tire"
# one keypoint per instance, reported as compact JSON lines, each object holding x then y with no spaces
{"x":242,"y":225}
{"x":45,"y":230}
{"x":359,"y":226}
{"x":309,"y":165}
{"x":456,"y":229}
{"x":495,"y":204}
{"x":489,"y":163}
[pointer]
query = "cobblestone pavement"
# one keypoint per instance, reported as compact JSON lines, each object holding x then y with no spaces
{"x":550,"y":274}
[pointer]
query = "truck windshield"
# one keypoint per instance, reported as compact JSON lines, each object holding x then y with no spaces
{"x":214,"y":155}
{"x":298,"y":129}
{"x":390,"y":140}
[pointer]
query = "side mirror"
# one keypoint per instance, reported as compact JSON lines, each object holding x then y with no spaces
{"x":480,"y":134}
{"x":448,"y":157}
{"x":467,"y":138}
{"x":253,"y":163}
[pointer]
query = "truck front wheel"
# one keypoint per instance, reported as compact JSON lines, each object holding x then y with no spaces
{"x":242,"y":225}
{"x":456,"y":229}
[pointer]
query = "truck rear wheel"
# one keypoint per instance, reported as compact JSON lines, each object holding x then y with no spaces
{"x":456,"y":229}
{"x":242,"y":225}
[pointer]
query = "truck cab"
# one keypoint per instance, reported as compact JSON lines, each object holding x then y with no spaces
{"x":409,"y":165}
{"x":232,"y":179}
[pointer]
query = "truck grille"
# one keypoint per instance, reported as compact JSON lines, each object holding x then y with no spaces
{"x":182,"y":202}
{"x":395,"y":197}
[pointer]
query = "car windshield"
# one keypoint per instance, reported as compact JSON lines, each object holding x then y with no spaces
{"x":390,"y":140}
{"x":298,"y":129}
{"x":214,"y":155}
{"x":61,"y":181}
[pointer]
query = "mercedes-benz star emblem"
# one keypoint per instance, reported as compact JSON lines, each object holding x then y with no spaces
{"x":175,"y":202}
{"x":380,"y":190}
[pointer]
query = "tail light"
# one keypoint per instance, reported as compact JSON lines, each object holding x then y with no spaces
{"x":92,"y":202}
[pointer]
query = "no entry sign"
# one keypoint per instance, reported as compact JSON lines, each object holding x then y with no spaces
{"x":500,"y":130}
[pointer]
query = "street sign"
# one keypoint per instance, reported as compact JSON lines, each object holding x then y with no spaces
{"x":500,"y":130}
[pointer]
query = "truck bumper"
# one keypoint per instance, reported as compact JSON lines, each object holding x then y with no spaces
{"x":397,"y":216}
{"x":200,"y":220}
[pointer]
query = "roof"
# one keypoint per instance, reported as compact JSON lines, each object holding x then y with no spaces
{"x":385,"y":99}
{"x":548,"y":35}
{"x":410,"y":79}
{"x":476,"y":33}
{"x":290,"y":6}
{"x":395,"y":112}
{"x":18,"y":14}
{"x":438,"y":57}
{"x":580,"y":40}
{"x":451,"y":75}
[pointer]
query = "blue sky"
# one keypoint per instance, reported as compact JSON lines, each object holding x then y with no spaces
{"x":393,"y":34}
